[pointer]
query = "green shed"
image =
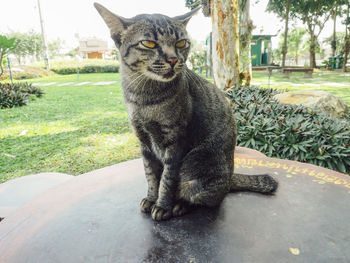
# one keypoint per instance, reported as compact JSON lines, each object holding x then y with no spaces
{"x":261,"y":50}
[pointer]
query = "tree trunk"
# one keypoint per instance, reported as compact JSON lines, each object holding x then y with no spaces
{"x":346,"y":41}
{"x":346,"y":48}
{"x":1,"y":69}
{"x":313,"y":43}
{"x":334,"y":42}
{"x":312,"y":53}
{"x":284,"y":48}
{"x":245,"y":35}
{"x":225,"y":50}
{"x":346,"y":53}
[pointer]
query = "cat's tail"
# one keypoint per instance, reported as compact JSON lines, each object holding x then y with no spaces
{"x":256,"y":183}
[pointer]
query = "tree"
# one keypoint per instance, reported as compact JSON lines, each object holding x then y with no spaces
{"x":35,"y":45}
{"x":339,"y":42}
{"x":73,"y":52}
{"x":296,"y":45}
{"x":318,"y":48}
{"x":282,"y":8}
{"x":346,"y":22}
{"x":55,"y":47}
{"x":276,"y":55}
{"x":314,"y":13}
{"x":192,"y":4}
{"x":20,"y":51}
{"x":245,"y":35}
{"x":197,"y":57}
{"x":6,"y":46}
{"x":225,"y":39}
{"x":295,"y":40}
{"x":334,"y":12}
{"x":29,"y":44}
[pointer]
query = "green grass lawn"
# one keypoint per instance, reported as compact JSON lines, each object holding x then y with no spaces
{"x":70,"y":129}
{"x":78,"y":129}
{"x":337,"y":83}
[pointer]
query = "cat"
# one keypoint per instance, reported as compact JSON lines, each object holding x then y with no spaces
{"x":185,"y":125}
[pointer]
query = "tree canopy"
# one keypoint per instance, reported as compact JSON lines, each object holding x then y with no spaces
{"x":6,"y":46}
{"x":313,"y":13}
{"x":30,"y":44}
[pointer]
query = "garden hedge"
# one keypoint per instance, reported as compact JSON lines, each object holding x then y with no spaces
{"x":290,"y":132}
{"x":65,"y":67}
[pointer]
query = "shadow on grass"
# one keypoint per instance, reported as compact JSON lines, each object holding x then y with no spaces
{"x":94,"y":144}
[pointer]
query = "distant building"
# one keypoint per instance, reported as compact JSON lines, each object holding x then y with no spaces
{"x":93,"y":48}
{"x":261,"y":50}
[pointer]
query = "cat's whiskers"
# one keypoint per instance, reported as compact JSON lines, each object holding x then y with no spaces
{"x":136,"y":80}
{"x":195,"y":79}
{"x":130,"y":78}
{"x":143,"y":80}
{"x":190,"y":77}
{"x":133,"y":75}
{"x":140,"y":78}
{"x":144,"y":84}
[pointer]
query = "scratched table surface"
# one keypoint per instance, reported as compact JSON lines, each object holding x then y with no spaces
{"x":95,"y":217}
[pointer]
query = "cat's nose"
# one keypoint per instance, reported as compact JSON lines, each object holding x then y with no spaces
{"x":172,"y":60}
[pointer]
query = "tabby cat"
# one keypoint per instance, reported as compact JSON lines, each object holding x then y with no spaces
{"x":184,"y":123}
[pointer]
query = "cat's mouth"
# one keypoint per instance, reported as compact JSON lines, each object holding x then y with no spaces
{"x":163,"y":74}
{"x":170,"y":74}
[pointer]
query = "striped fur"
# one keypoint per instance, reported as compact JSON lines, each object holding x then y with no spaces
{"x":185,"y":125}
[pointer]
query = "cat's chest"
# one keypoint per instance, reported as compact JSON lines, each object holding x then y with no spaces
{"x":147,"y":114}
{"x":168,"y":111}
{"x":158,"y":123}
{"x":158,"y":127}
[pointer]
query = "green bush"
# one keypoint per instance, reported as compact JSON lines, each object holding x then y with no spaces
{"x":65,"y":67}
{"x":290,"y":132}
{"x":18,"y":94}
{"x":30,"y":89}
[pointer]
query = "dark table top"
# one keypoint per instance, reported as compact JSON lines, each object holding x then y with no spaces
{"x":95,"y":217}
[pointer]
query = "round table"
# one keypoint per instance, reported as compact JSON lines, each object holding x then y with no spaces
{"x":95,"y":217}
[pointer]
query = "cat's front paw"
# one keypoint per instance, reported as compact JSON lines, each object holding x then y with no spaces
{"x":146,"y":205}
{"x":159,"y":213}
{"x":181,"y":208}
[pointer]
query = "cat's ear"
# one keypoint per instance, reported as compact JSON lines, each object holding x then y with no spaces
{"x":116,"y":24}
{"x":186,"y":17}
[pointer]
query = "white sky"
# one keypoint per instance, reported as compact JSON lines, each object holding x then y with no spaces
{"x":66,"y":18}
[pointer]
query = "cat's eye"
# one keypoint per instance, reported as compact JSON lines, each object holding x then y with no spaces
{"x":149,"y":44}
{"x":181,"y":43}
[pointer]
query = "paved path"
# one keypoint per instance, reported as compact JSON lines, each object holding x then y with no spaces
{"x":325,"y":84}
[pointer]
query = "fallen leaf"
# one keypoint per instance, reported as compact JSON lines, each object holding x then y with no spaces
{"x":320,"y":150}
{"x":294,"y":251}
